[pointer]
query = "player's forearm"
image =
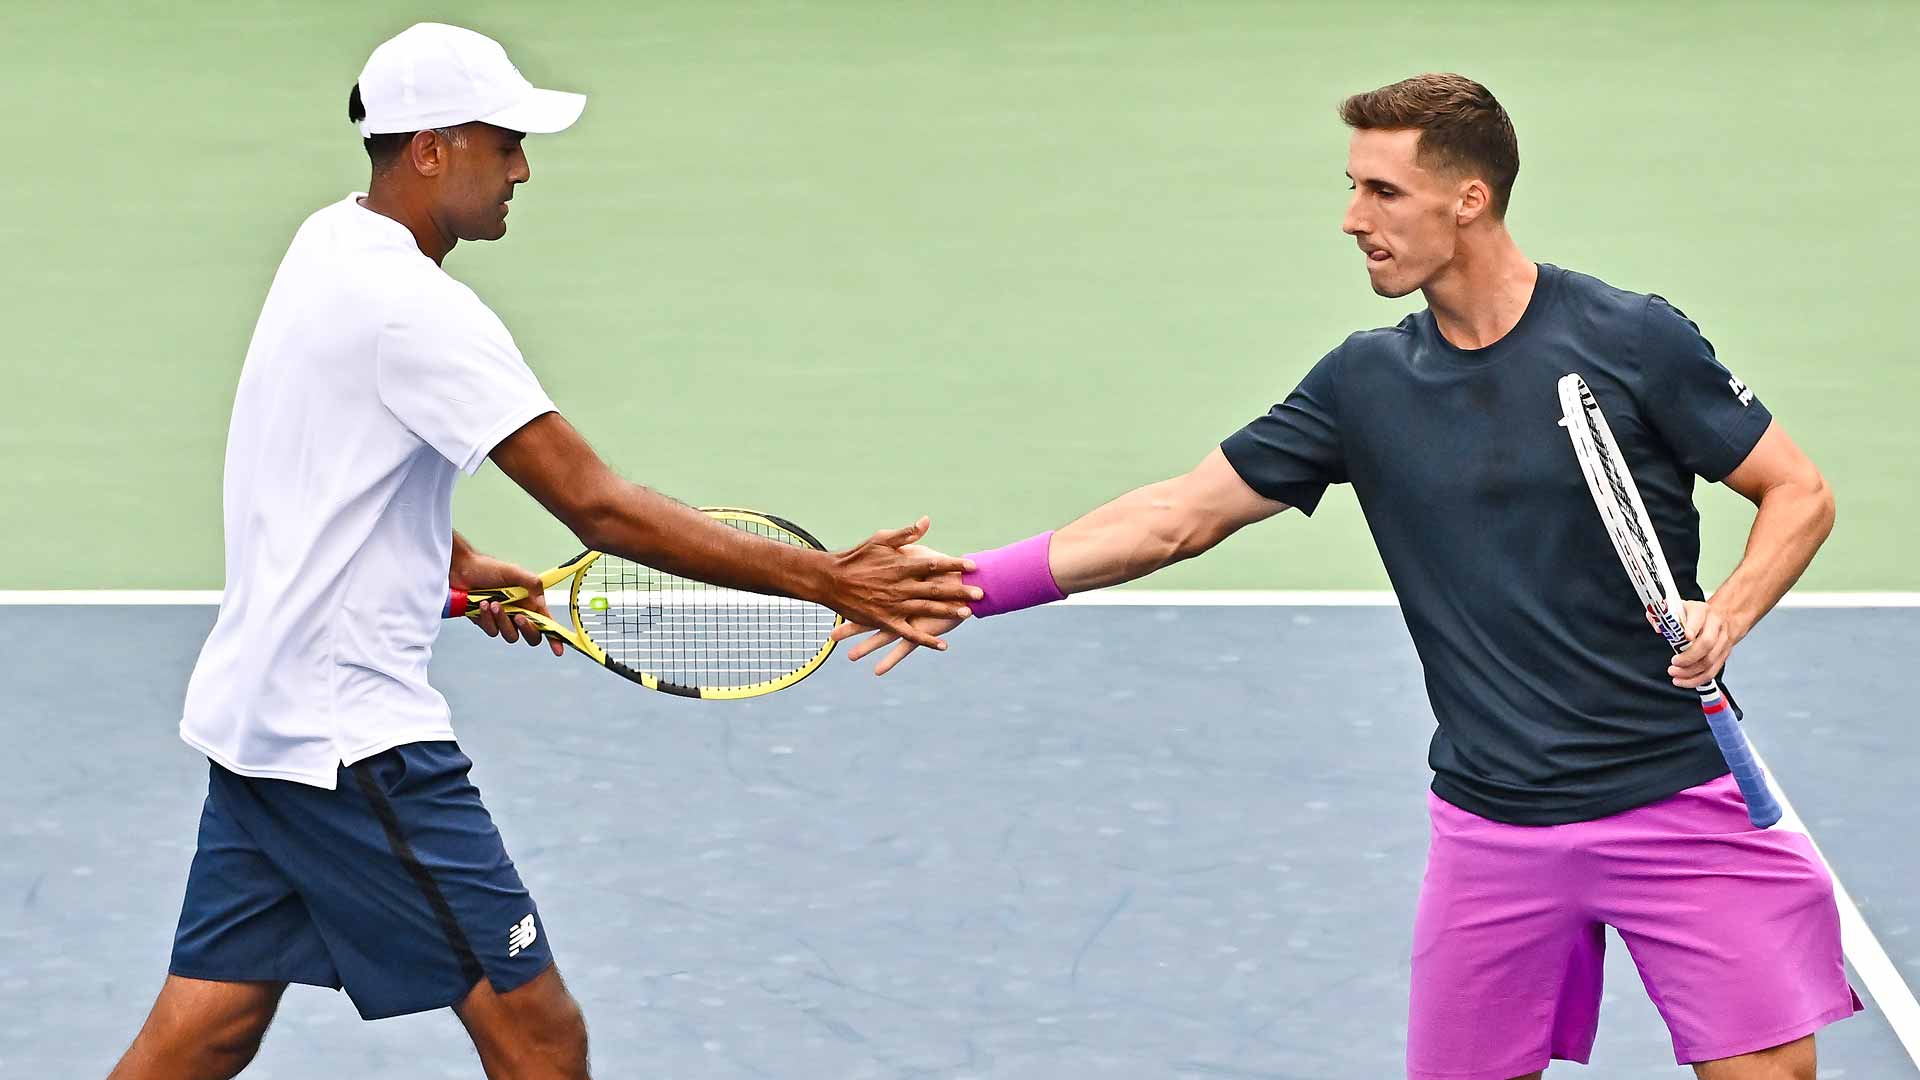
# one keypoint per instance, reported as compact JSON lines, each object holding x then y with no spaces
{"x":1132,"y":536}
{"x":638,"y":523}
{"x":1794,"y":519}
{"x":551,"y":461}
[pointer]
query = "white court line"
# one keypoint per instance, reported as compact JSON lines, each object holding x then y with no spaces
{"x":1870,"y":961}
{"x":1103,"y":598}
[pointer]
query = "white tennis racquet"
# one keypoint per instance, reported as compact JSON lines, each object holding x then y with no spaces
{"x":1618,"y":501}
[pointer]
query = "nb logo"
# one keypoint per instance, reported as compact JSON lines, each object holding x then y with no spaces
{"x":1740,"y":390}
{"x":521,"y":935}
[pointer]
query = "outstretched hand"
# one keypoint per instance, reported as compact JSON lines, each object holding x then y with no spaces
{"x":926,"y":626}
{"x":891,"y":583}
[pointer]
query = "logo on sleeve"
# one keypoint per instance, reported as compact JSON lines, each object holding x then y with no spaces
{"x":521,"y":935}
{"x":1740,"y":390}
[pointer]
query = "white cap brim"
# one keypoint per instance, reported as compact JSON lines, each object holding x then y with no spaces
{"x":541,"y":112}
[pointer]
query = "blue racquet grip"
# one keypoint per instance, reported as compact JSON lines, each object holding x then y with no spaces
{"x":1762,"y":808}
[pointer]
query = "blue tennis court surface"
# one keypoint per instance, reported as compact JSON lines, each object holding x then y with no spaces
{"x":1088,"y":842}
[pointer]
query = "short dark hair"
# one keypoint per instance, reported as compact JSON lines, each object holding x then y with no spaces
{"x":381,"y":148}
{"x":1462,"y":127}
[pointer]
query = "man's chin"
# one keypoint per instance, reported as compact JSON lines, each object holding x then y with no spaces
{"x":1388,"y":288}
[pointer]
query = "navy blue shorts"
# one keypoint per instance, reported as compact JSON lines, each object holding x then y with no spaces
{"x":394,"y":885}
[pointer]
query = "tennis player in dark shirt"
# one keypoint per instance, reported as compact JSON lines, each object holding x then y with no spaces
{"x":1575,"y":783}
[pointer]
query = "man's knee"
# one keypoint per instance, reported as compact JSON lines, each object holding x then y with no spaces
{"x":1791,"y":1061}
{"x":533,"y":1030}
{"x":562,"y":1033}
{"x":200,"y":1028}
{"x":231,"y":1047}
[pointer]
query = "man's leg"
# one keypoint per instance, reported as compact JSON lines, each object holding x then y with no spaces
{"x":200,"y":1030}
{"x":532,"y":1032}
{"x":1792,"y":1061}
{"x":1735,"y":930}
{"x":1506,"y":964}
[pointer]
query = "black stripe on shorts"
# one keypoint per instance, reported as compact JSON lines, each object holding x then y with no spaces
{"x":470,"y":969}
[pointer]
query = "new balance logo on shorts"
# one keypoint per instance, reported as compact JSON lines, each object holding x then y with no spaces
{"x":521,"y":935}
{"x":1740,"y":390}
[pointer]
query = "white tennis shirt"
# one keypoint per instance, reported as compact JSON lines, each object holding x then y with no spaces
{"x":372,"y":379}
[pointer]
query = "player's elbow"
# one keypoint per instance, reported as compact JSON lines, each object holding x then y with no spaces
{"x":1824,"y":506}
{"x":593,"y":513}
{"x":1183,"y":527}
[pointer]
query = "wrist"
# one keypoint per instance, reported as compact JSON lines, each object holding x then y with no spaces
{"x":814,"y":576}
{"x":1738,"y":622}
{"x":1735,"y":615}
{"x":1017,"y":576}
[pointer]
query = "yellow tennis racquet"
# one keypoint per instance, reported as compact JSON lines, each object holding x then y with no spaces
{"x":674,"y":634}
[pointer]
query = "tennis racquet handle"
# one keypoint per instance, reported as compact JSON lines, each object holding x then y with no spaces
{"x":460,"y":602}
{"x":1762,"y":808}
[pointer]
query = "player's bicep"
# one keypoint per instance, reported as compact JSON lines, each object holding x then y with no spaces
{"x":1221,"y":498}
{"x":448,"y":370}
{"x":1290,"y":453}
{"x":1776,"y":461}
{"x":1703,"y":412}
{"x":552,"y":461}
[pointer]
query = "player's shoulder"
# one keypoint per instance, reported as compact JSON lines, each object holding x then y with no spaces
{"x":1613,"y":308}
{"x":1381,"y":340}
{"x":421,"y":294}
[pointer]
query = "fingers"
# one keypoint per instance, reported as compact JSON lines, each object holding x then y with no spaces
{"x":494,"y":622}
{"x":508,"y":627}
{"x":848,"y":629}
{"x":900,"y":652}
{"x":934,"y":609}
{"x":902,"y":537}
{"x":938,"y":565}
{"x":1694,"y":618}
{"x":908,"y":631}
{"x":493,"y":618}
{"x":873,"y":644}
{"x":1712,"y":642}
{"x":951,"y":588}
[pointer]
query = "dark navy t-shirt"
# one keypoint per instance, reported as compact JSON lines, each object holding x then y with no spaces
{"x":1550,"y":689}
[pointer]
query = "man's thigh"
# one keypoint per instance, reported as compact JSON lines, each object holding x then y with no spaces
{"x":406,"y":880}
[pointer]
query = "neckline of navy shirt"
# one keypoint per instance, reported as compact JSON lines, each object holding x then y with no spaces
{"x":1545,"y":284}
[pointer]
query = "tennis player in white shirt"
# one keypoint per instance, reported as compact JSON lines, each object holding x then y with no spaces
{"x":342,"y":843}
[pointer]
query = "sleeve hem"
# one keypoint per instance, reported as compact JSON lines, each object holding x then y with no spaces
{"x":510,"y":423}
{"x":1304,"y":497}
{"x":1737,"y":443}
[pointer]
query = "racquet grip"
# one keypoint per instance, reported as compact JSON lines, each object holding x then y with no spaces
{"x":456,"y":604}
{"x":1762,"y":808}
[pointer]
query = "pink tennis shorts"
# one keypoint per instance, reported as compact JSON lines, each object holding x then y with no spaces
{"x":1734,"y":930}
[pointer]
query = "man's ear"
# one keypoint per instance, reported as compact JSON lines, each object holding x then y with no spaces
{"x":427,"y":153}
{"x":1472,"y":201}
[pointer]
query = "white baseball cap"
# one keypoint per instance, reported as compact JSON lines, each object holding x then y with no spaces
{"x":433,"y":75}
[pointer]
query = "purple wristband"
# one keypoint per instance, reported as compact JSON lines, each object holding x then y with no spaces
{"x":1013,"y":577}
